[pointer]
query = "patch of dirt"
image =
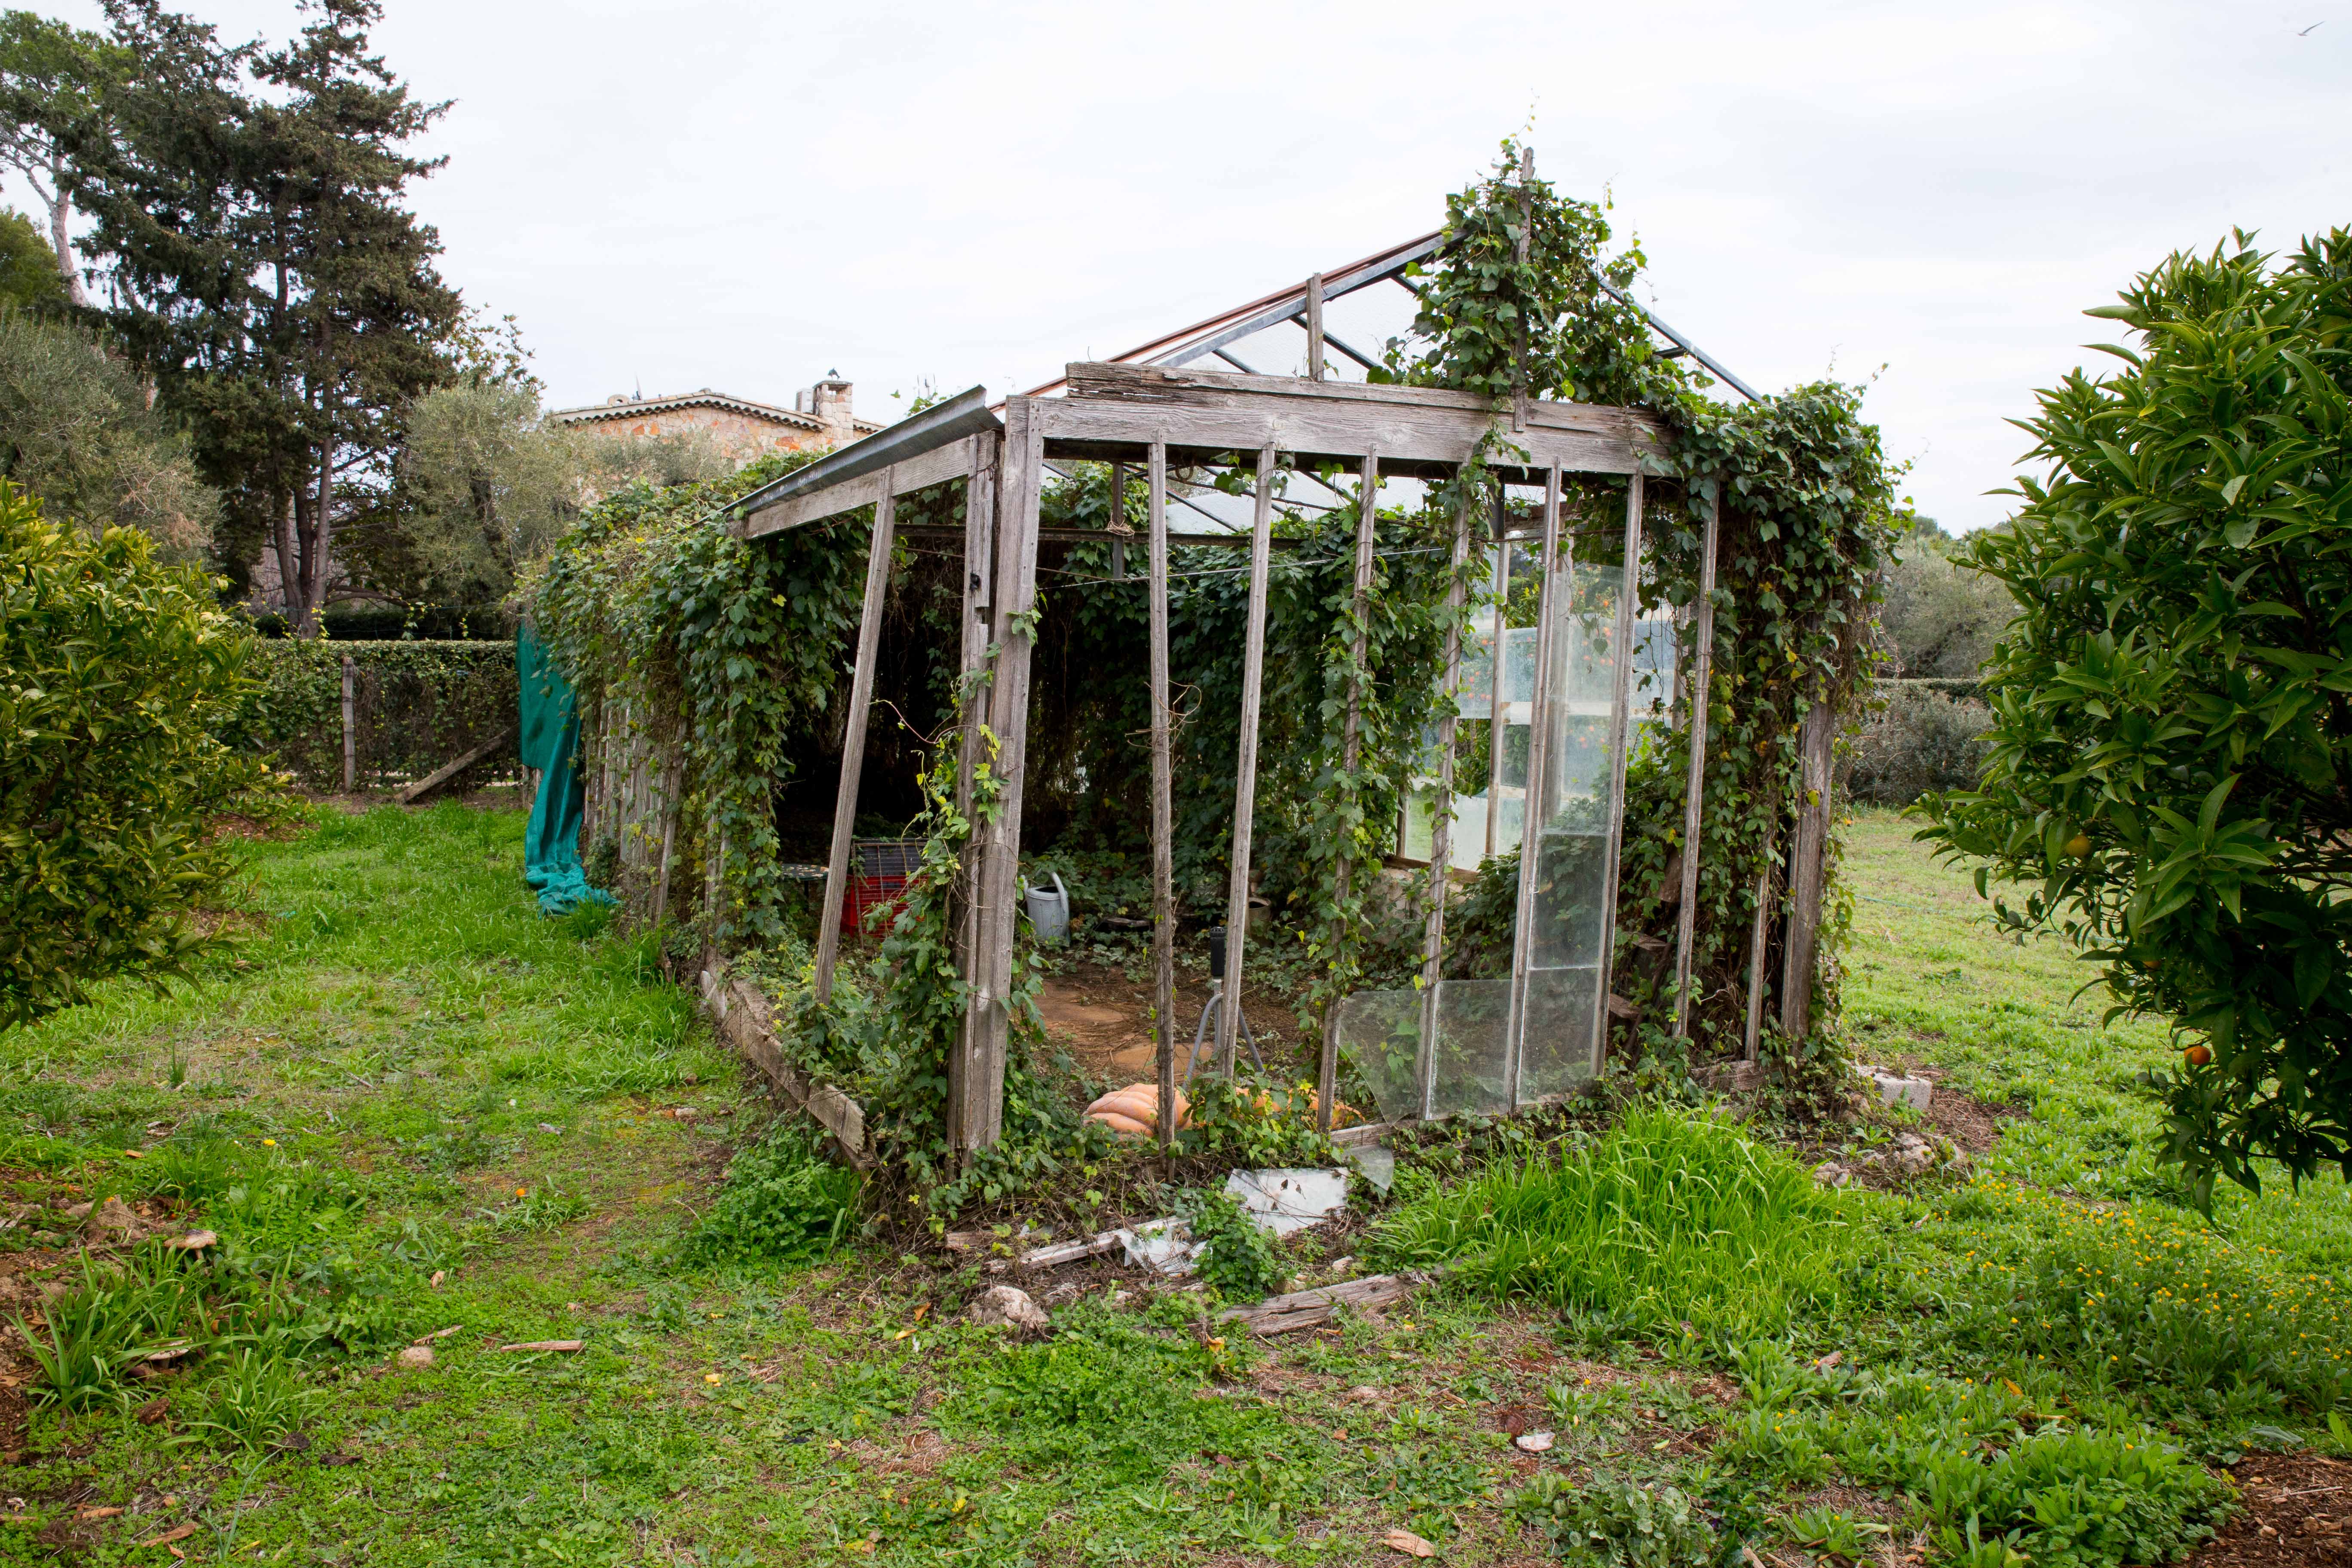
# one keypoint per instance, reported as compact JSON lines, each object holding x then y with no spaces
{"x":2296,"y":1513}
{"x":1104,"y":1019}
{"x":1972,"y":1123}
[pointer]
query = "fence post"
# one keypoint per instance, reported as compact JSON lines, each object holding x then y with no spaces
{"x":351,"y":728}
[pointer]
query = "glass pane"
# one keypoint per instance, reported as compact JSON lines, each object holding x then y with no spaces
{"x":1556,"y":1050}
{"x":1380,"y":1031}
{"x":1473,"y":1029}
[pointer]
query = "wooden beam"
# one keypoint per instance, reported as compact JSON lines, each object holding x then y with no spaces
{"x":1621,"y":732}
{"x":1538,"y":790}
{"x":1316,"y":427}
{"x":1019,"y":489}
{"x":1694,"y":783}
{"x":1315,"y":327}
{"x":952,"y":461}
{"x":853,"y":737}
{"x":1229,"y":1017}
{"x":1163,"y":816}
{"x":1440,"y":819}
{"x":1496,"y":729}
{"x":1309,"y":1309}
{"x":1807,"y":854}
{"x":965,"y":1111}
{"x":1351,"y":732}
{"x":1094,"y":382}
{"x":447,"y":771}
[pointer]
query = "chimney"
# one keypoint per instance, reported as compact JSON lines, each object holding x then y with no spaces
{"x":829,"y":401}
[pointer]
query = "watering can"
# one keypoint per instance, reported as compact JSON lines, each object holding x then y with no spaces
{"x":1049,"y":914}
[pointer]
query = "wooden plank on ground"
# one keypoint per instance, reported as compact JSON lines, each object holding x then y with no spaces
{"x":745,"y":1023}
{"x":1309,"y":1309}
{"x":441,"y":775}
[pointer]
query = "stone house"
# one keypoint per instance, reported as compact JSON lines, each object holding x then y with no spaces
{"x":820,"y":417}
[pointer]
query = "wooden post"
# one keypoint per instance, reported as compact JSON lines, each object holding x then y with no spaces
{"x":1163,"y":812}
{"x":1621,"y":730}
{"x":1495,"y":727}
{"x":1116,"y":527}
{"x":998,"y":894}
{"x":1368,"y":501}
{"x":351,"y":727}
{"x":1229,"y":1017}
{"x":1531,"y":819}
{"x":1695,"y":785}
{"x":673,"y":779}
{"x":1441,"y":824}
{"x":1315,"y":327}
{"x":853,"y":740}
{"x":1806,"y":854}
{"x":1761,"y":930}
{"x":964,"y":1110}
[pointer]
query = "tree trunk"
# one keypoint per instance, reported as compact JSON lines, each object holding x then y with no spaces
{"x":289,"y":566}
{"x":60,"y":210}
{"x":317,"y":557}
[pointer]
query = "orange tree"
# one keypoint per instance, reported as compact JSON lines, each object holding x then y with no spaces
{"x":2171,"y":780}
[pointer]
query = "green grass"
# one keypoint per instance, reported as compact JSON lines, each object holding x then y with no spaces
{"x":405,"y":1070}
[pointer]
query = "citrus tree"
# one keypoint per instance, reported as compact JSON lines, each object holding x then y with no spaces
{"x":2170,"y":778}
{"x":115,"y":671}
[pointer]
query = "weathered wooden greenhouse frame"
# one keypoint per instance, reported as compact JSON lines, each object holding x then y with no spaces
{"x":1151,"y":410}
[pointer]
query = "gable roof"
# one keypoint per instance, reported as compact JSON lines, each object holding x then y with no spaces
{"x":601,"y":412}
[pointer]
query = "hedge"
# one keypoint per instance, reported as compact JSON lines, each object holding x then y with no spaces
{"x":419,"y":704}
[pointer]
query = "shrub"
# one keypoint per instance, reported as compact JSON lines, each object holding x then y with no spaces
{"x":783,"y":1203}
{"x":2172,"y":732}
{"x":1922,"y":740}
{"x":1669,"y":1218}
{"x":114,"y":669}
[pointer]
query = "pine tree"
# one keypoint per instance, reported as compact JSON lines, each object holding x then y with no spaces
{"x":261,"y":262}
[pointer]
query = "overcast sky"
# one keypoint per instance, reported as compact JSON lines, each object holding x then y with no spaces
{"x":679,"y":194}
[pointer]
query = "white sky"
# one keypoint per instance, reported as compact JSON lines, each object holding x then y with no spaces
{"x":685,"y":193}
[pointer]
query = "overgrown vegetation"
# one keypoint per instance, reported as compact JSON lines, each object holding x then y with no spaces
{"x":410,"y":1073}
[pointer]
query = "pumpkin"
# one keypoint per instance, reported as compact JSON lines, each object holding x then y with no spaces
{"x":1126,"y":1126}
{"x":1137,"y":1103}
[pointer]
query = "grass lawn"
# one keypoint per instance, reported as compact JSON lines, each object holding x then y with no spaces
{"x":410,"y":1105}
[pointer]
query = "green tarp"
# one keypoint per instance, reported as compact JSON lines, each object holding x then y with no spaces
{"x":550,"y":743}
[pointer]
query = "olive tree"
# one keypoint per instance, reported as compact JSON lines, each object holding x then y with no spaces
{"x":2170,"y":777}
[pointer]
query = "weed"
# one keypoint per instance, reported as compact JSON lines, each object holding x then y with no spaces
{"x":257,"y":1398}
{"x":1616,"y":1525}
{"x":783,"y":1203}
{"x":1669,"y":1218}
{"x":1237,"y":1258}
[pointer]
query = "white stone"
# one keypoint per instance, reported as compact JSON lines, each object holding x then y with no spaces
{"x":1004,"y":1304}
{"x":1533,"y":1442}
{"x":417,"y":1356}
